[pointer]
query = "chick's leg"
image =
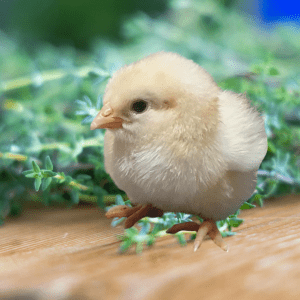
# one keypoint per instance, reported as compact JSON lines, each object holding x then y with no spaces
{"x":207,"y":227}
{"x":133,"y":214}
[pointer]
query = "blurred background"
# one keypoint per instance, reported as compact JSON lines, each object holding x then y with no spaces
{"x":78,"y":23}
{"x":54,"y":52}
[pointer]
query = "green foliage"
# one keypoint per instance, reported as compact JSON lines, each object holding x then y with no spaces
{"x":40,"y":118}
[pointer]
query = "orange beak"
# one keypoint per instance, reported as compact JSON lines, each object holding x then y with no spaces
{"x":106,"y":119}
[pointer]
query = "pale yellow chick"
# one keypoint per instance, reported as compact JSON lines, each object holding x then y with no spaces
{"x":177,"y":142}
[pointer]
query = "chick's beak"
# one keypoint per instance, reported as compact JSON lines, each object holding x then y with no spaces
{"x":106,"y":119}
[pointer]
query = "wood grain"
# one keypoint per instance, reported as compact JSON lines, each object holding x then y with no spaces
{"x":73,"y":254}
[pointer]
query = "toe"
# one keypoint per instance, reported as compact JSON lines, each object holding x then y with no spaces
{"x":218,"y":240}
{"x":202,"y":232}
{"x":188,"y":226}
{"x":121,"y":211}
{"x":116,"y":211}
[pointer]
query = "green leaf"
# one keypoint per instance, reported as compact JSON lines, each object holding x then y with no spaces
{"x":150,"y":241}
{"x":46,"y":183}
{"x":271,"y":147}
{"x":28,"y":172}
{"x":37,"y":183}
{"x":258,"y":199}
{"x":228,"y":233}
{"x":181,"y":239}
{"x":100,"y":193}
{"x":49,"y":173}
{"x":125,"y":246}
{"x":75,"y":196}
{"x":235,"y":222}
{"x":68,"y":179}
{"x":117,"y":221}
{"x":145,"y":228}
{"x":193,"y":236}
{"x":247,"y":205}
{"x":83,"y":177}
{"x":157,"y":227}
{"x":119,"y":200}
{"x":36,"y":168}
{"x":32,"y":175}
{"x":132,"y":231}
{"x":128,"y":203}
{"x":49,"y":165}
{"x":139,"y":247}
{"x":273,"y":71}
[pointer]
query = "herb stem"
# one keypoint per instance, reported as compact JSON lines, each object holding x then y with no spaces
{"x":277,"y":176}
{"x":46,"y":76}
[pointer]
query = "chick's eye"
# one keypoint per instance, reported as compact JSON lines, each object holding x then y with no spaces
{"x":139,"y":106}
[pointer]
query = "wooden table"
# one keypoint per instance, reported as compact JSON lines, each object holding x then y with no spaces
{"x":73,"y":254}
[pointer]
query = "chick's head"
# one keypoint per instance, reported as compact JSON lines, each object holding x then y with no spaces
{"x":161,"y":95}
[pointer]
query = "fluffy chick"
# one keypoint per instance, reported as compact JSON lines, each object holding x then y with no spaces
{"x":177,"y":142}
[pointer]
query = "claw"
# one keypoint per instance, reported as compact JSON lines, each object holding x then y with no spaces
{"x":121,"y":211}
{"x":137,"y":215}
{"x":218,"y":240}
{"x":133,"y":214}
{"x":207,"y":227}
{"x":202,"y":232}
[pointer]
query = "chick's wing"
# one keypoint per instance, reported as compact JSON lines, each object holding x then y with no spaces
{"x":242,"y":132}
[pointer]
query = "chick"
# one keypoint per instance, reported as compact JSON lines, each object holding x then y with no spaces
{"x":177,"y":142}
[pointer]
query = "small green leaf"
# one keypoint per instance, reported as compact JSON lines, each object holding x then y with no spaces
{"x":49,"y":165}
{"x":36,"y":168}
{"x":132,"y":231}
{"x":235,"y":222}
{"x":75,"y":196}
{"x":88,"y":100}
{"x":139,"y":247}
{"x":247,"y":205}
{"x":128,"y":203}
{"x":100,"y":193}
{"x":28,"y":172}
{"x":181,"y":239}
{"x":125,"y":246}
{"x":32,"y":175}
{"x":80,"y":112}
{"x":228,"y":233}
{"x":83,"y":177}
{"x":200,"y":219}
{"x":273,"y":71}
{"x":46,"y":183}
{"x":258,"y":199}
{"x":193,"y":236}
{"x":117,"y":221}
{"x":119,"y":200}
{"x":150,"y":241}
{"x":271,"y":147}
{"x":37,"y":183}
{"x":49,"y":173}
{"x":122,"y":237}
{"x":145,"y":228}
{"x":257,"y":69}
{"x":68,"y":179}
{"x":157,"y":227}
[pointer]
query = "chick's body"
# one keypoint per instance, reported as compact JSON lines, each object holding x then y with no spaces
{"x":191,"y":184}
{"x":194,"y":149}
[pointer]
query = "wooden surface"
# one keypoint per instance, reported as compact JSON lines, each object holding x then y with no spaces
{"x":73,"y":254}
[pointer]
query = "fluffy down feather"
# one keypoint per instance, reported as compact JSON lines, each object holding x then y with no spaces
{"x":195,"y":149}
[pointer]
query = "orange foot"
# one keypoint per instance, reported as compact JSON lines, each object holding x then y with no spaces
{"x":207,"y":227}
{"x":133,"y":214}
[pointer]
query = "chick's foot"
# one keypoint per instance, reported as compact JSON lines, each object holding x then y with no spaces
{"x":188,"y":226}
{"x":207,"y":227}
{"x":133,"y":214}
